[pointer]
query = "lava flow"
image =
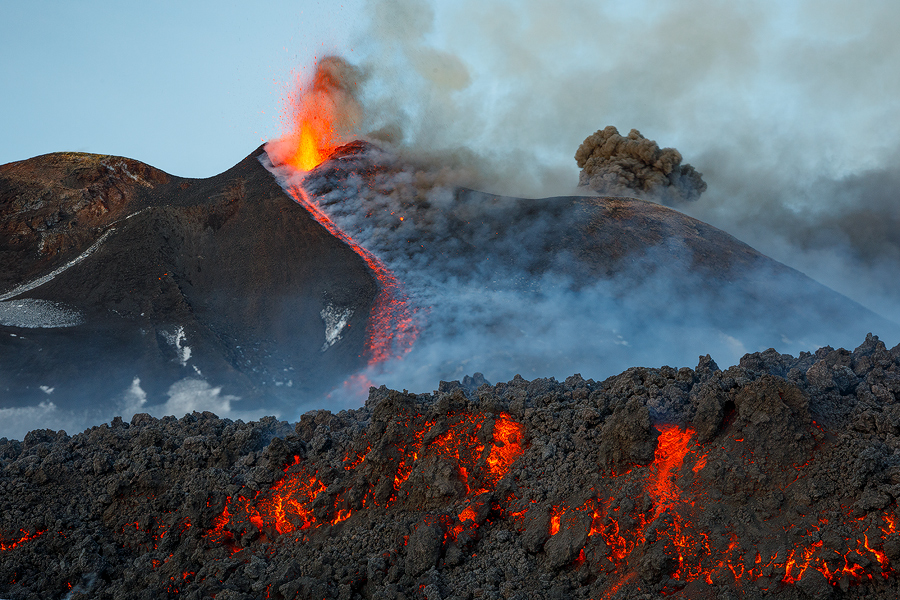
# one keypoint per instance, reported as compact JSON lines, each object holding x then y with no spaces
{"x":320,"y":121}
{"x":670,"y":526}
{"x":301,"y":500}
{"x":391,"y":330}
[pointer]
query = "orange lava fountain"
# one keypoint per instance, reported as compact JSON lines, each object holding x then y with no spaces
{"x":321,"y":117}
{"x":322,"y":113}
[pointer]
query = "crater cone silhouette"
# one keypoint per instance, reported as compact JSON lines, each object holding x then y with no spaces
{"x":231,"y":261}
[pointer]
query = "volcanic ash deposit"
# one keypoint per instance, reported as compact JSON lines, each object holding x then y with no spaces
{"x":777,"y":477}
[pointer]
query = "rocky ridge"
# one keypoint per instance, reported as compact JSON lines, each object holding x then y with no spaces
{"x":777,"y":477}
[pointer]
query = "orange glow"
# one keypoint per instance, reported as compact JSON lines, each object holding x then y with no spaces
{"x":288,"y":505}
{"x":701,"y":462}
{"x":554,"y":520}
{"x":308,"y":155}
{"x":316,"y":122}
{"x":672,"y":447}
{"x":467,"y":515}
{"x":4,"y":546}
{"x":391,"y":329}
{"x":507,"y":446}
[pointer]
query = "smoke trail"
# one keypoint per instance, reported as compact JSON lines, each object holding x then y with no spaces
{"x":787,"y":109}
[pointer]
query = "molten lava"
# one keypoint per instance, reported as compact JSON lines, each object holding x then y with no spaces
{"x":321,"y":113}
{"x":391,"y":330}
{"x":300,"y":500}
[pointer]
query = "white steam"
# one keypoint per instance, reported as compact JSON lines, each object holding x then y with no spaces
{"x":184,"y":397}
{"x":788,"y":109}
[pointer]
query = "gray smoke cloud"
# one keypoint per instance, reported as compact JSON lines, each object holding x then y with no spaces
{"x":498,"y":285}
{"x":788,"y":110}
{"x":616,"y":165}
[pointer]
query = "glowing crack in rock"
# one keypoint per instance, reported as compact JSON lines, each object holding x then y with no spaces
{"x":298,"y":501}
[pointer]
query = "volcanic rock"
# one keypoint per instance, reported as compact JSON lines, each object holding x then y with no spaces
{"x":793,"y":494}
{"x":169,"y":278}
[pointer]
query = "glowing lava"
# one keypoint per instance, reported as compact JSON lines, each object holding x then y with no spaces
{"x":4,"y":546}
{"x":301,"y":501}
{"x":321,"y":114}
{"x":390,"y":331}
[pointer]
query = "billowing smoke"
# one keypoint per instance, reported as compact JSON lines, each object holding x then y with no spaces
{"x":786,"y":110}
{"x":616,"y":165}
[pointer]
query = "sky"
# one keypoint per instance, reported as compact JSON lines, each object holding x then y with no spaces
{"x":789,"y":108}
{"x":188,"y":87}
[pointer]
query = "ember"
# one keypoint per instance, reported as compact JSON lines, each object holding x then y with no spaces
{"x":525,"y":483}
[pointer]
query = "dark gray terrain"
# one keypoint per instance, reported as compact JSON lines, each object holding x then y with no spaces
{"x":778,"y":477}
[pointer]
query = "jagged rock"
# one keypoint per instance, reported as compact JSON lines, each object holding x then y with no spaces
{"x":786,"y":492}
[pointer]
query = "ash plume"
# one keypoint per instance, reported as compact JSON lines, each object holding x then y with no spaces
{"x":616,"y":165}
{"x":792,"y":127}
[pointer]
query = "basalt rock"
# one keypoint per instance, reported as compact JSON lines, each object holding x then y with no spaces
{"x":764,"y":480}
{"x":112,"y":270}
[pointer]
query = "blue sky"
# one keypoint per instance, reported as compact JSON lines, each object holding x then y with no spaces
{"x":189,"y":87}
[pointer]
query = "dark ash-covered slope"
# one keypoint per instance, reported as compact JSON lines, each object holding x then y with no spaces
{"x":224,"y":278}
{"x":777,"y":478}
{"x":580,"y":276}
{"x":117,"y":279}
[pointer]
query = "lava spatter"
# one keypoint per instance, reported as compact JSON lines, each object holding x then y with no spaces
{"x":293,"y":503}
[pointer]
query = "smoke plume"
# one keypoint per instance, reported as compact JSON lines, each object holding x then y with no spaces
{"x":787,"y":110}
{"x":615,"y":165}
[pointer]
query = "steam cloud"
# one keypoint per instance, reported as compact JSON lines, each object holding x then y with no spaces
{"x":788,"y":111}
{"x":620,"y":166}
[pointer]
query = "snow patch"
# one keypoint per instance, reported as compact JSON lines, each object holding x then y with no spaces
{"x":335,"y":321}
{"x":178,"y":341}
{"x":31,"y":313}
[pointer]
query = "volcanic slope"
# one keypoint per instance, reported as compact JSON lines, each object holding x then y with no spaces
{"x":776,"y":478}
{"x":111,"y":269}
{"x":570,"y":281}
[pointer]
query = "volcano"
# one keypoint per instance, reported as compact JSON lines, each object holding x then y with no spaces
{"x":117,"y":276}
{"x":774,"y":478}
{"x":164,"y":278}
